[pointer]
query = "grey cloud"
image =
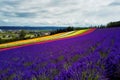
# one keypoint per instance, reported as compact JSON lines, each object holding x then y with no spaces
{"x":17,"y":14}
{"x":2,"y":23}
{"x":115,"y":4}
{"x":25,"y":14}
{"x":11,"y":2}
{"x":60,"y":12}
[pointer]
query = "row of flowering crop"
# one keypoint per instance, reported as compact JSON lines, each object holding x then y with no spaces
{"x":95,"y":56}
{"x":43,"y":39}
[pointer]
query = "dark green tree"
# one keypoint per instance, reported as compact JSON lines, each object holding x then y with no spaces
{"x":62,"y":30}
{"x":114,"y":24}
{"x":70,"y":28}
{"x":22,"y":34}
{"x":0,"y":40}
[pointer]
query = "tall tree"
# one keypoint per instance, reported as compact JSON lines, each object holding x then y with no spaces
{"x":22,"y":34}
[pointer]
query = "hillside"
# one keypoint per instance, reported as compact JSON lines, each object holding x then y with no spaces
{"x":94,"y":56}
{"x":46,"y":38}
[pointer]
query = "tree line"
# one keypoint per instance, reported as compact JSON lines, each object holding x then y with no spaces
{"x":109,"y":25}
{"x":62,"y":30}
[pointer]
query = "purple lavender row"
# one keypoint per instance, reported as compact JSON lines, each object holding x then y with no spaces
{"x":95,"y":56}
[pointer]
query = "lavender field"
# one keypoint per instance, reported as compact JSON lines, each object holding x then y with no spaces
{"x":95,"y":56}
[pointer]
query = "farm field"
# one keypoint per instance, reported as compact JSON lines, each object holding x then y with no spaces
{"x":46,"y":38}
{"x":93,"y":56}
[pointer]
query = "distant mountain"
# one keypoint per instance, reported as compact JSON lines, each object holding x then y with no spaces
{"x":30,"y":28}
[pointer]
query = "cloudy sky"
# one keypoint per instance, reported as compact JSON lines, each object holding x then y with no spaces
{"x":58,"y":12}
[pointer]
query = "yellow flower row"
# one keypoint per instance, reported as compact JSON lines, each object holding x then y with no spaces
{"x":51,"y":37}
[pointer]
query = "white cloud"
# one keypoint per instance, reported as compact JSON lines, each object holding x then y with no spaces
{"x":58,"y":12}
